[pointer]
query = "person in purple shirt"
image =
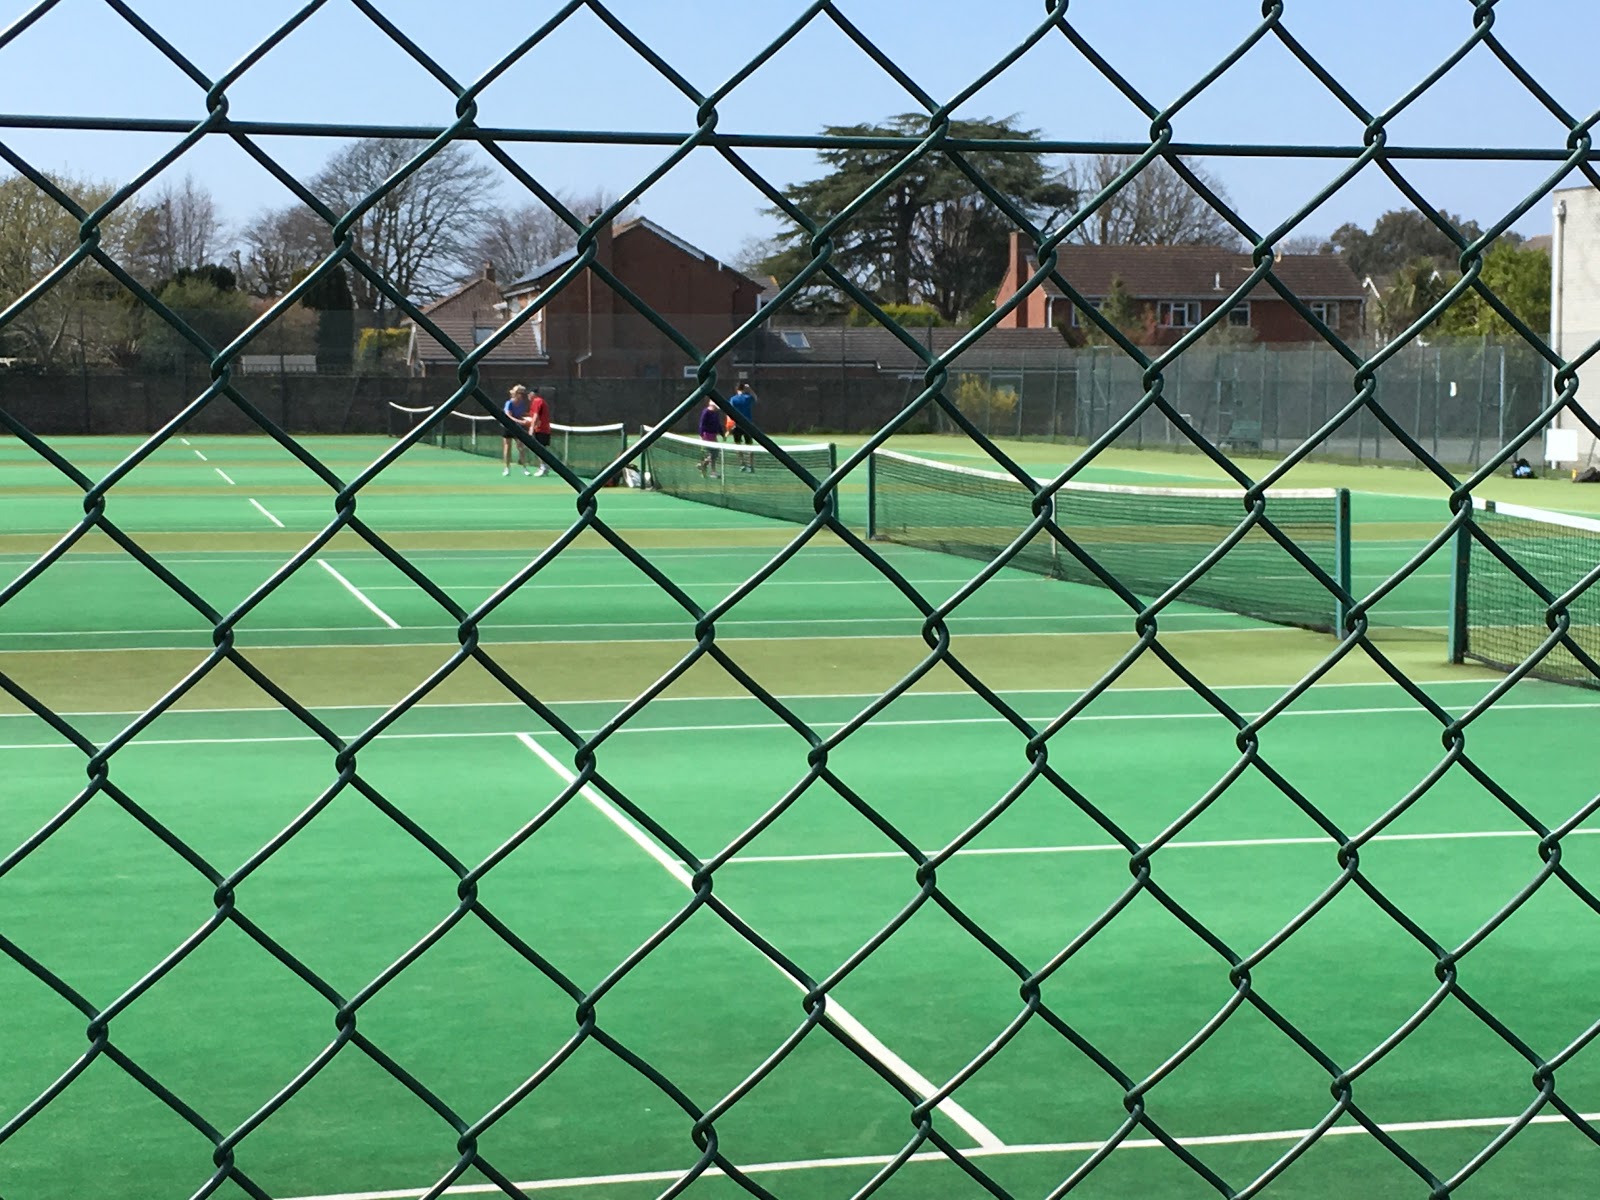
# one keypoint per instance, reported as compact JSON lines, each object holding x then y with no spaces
{"x":711,"y":426}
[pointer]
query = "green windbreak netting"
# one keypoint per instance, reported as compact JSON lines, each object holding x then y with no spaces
{"x":1091,"y":717}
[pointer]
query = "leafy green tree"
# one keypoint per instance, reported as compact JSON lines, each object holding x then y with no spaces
{"x":216,"y":314}
{"x":931,"y":237}
{"x":76,"y":318}
{"x":1398,"y":238}
{"x":1412,"y":290}
{"x":912,"y":316}
{"x":1122,"y":310}
{"x":331,"y":299}
{"x":1520,"y":279}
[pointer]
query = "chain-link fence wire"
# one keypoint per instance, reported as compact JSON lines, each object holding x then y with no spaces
{"x":1367,"y":398}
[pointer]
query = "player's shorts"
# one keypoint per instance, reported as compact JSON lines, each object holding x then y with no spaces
{"x":542,"y":438}
{"x":743,"y":438}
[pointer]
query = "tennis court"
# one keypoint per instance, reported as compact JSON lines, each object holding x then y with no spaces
{"x":410,"y":936}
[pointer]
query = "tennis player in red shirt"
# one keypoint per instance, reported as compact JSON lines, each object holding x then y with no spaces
{"x":538,"y":422}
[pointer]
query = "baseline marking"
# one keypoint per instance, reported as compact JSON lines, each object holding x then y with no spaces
{"x":618,"y":703}
{"x":980,"y":1133}
{"x":360,"y":595}
{"x":935,"y":1156}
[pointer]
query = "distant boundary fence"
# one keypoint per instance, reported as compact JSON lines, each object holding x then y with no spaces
{"x":1461,"y":400}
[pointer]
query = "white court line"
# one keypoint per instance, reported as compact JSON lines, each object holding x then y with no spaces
{"x":359,"y":595}
{"x":224,"y":475}
{"x":265,"y":513}
{"x":935,"y":1156}
{"x":650,"y":584}
{"x":201,"y":457}
{"x":1087,"y":718}
{"x":686,"y":622}
{"x":1112,"y":847}
{"x":644,"y":641}
{"x":788,"y":698}
{"x":904,"y":1071}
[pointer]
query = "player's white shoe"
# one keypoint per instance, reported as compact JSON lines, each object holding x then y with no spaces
{"x":507,"y":471}
{"x":525,"y":471}
{"x":543,"y":470}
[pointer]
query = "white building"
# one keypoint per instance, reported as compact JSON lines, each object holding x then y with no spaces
{"x":1575,"y":308}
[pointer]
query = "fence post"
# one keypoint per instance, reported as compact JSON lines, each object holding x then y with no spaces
{"x":1500,"y":436}
{"x":1055,"y":398}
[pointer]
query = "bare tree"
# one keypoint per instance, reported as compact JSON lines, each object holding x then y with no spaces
{"x":279,"y":249}
{"x":1304,"y":243}
{"x":1157,"y":207}
{"x":176,"y":228}
{"x":420,"y":234}
{"x":518,"y":240}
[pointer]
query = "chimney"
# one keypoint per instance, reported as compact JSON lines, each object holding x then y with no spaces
{"x":488,"y":271}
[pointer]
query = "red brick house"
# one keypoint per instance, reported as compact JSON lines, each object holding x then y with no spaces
{"x":468,"y":316}
{"x":1177,"y":286}
{"x":588,"y":330}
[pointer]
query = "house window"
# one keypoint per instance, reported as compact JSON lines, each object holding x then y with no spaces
{"x":1077,"y":314}
{"x":1239,"y":314}
{"x":795,"y":339}
{"x":481,"y":334}
{"x":1177,"y":314}
{"x":1326,"y":311}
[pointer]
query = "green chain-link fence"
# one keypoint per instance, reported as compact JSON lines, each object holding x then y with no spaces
{"x":1362,"y":398}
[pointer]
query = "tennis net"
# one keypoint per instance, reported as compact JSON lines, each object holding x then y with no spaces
{"x":585,"y":449}
{"x":742,"y":477}
{"x":1500,"y":620}
{"x":1146,"y":538}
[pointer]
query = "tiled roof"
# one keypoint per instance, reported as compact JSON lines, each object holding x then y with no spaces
{"x":1195,"y":272}
{"x":876,"y":347}
{"x":477,"y":305}
{"x":544,"y":270}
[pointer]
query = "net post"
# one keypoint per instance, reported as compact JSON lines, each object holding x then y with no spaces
{"x":1055,"y":545}
{"x":1461,"y":558}
{"x":1341,"y":558}
{"x":872,"y":495}
{"x":833,"y":465}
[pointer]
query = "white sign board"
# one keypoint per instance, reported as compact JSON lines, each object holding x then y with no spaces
{"x":1560,"y":445}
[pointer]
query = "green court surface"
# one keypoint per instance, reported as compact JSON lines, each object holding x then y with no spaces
{"x":468,"y":938}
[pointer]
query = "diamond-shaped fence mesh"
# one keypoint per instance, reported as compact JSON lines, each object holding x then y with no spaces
{"x":994,"y":764}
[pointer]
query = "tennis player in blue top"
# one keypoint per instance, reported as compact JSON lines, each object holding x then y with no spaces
{"x":516,"y":407}
{"x":743,"y":402}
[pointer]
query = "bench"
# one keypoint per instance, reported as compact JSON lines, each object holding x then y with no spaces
{"x":1242,"y":435}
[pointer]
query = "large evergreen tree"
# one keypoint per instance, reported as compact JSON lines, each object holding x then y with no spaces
{"x":1397,"y":240}
{"x":932,"y":237}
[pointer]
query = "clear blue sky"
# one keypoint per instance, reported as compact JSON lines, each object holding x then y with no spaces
{"x":82,"y":59}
